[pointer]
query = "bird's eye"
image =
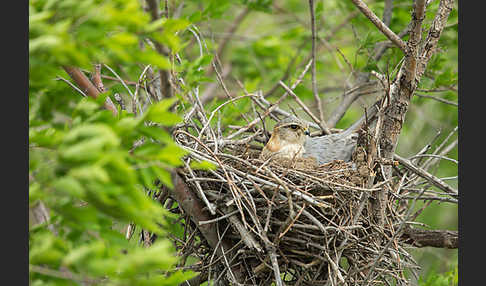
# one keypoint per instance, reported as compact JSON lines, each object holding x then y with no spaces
{"x":293,"y":126}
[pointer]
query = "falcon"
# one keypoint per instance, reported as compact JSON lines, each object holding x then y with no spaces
{"x":290,"y":140}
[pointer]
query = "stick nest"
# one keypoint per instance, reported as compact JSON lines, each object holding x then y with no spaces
{"x":307,"y":224}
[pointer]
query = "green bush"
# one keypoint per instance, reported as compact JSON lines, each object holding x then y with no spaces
{"x":82,"y":165}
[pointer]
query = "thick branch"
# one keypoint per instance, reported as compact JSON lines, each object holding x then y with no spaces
{"x":432,"y":39}
{"x":434,"y":238}
{"x":400,"y":95}
{"x":411,"y":58}
{"x":191,"y":204}
{"x":165,"y":86}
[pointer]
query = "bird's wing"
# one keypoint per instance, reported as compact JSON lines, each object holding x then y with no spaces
{"x":330,"y":147}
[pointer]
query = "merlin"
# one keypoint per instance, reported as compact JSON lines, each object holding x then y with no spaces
{"x":290,"y":140}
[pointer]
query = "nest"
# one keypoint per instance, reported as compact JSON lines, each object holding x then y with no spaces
{"x":286,"y":221}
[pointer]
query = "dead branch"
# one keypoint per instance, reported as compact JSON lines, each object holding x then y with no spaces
{"x":431,"y":238}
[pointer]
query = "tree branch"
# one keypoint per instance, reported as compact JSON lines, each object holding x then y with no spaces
{"x":426,"y":175}
{"x":432,"y":39}
{"x":433,"y":238}
{"x":88,"y":87}
{"x":381,"y":26}
{"x":229,"y":33}
{"x":411,"y":58}
{"x":313,"y":70}
{"x":387,"y":12}
{"x":191,"y":204}
{"x":165,"y":86}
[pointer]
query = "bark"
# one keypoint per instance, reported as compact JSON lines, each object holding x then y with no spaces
{"x":433,"y":238}
{"x":165,"y":76}
{"x":88,"y":87}
{"x":191,"y":204}
{"x":404,"y":86}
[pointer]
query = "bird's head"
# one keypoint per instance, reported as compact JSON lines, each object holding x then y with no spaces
{"x":292,"y":130}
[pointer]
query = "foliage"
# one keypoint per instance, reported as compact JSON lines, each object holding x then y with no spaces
{"x":449,"y":278}
{"x":82,"y":162}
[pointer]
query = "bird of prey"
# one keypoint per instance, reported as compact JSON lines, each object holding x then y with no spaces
{"x":289,"y":140}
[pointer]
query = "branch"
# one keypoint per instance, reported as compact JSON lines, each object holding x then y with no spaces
{"x":210,"y":91}
{"x":229,"y":33}
{"x":39,"y":214}
{"x":191,"y":204}
{"x":400,"y":95}
{"x":434,"y":238}
{"x":64,"y":275}
{"x":381,"y":26}
{"x":165,"y":86}
{"x":196,"y":281}
{"x":313,"y":71}
{"x":387,"y":12}
{"x":97,"y":78}
{"x":426,"y":175}
{"x":272,"y":107}
{"x":438,"y":25}
{"x":351,"y":95}
{"x":438,"y":99}
{"x":306,"y":109}
{"x":411,"y":58}
{"x":70,"y":84}
{"x":88,"y":87}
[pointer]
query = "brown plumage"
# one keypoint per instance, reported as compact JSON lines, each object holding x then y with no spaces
{"x":287,"y":140}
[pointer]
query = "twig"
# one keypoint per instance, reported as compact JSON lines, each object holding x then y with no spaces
{"x":438,"y":99}
{"x":313,"y":71}
{"x":97,"y":78}
{"x":321,"y":123}
{"x":64,"y":275}
{"x":426,"y":175}
{"x":71,"y":85}
{"x":229,"y":33}
{"x":272,"y":107}
{"x":126,"y":87}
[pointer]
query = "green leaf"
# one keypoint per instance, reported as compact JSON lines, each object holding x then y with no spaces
{"x":69,"y":185}
{"x":203,"y":165}
{"x":164,"y":176}
{"x":174,"y":25}
{"x":158,"y":113}
{"x":172,"y":154}
{"x":156,"y":133}
{"x":88,"y":142}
